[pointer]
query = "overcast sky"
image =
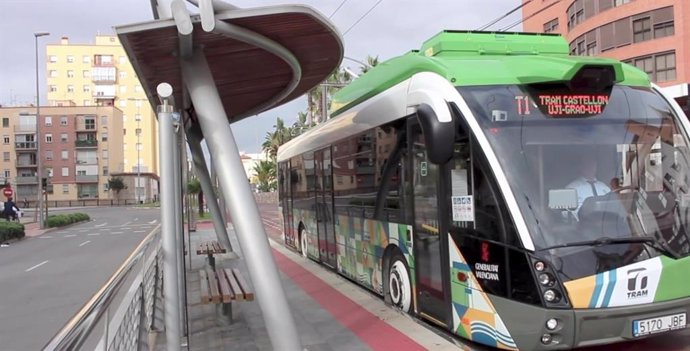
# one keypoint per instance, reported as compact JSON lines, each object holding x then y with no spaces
{"x":392,"y":28}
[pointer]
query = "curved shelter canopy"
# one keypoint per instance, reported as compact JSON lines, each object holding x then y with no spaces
{"x":246,"y":76}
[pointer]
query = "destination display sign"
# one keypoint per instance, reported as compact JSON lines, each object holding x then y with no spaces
{"x":571,"y":105}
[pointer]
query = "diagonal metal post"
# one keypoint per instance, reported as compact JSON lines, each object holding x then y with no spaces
{"x":179,"y":226}
{"x":243,"y":209}
{"x":194,"y":140}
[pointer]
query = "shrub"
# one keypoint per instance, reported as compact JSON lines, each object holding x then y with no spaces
{"x":65,"y":219}
{"x":11,"y":230}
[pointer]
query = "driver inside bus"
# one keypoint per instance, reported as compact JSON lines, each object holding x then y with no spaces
{"x":587,"y":184}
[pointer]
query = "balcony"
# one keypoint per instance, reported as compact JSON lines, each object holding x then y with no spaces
{"x":87,"y":178}
{"x":27,"y":180}
{"x":26,"y":163}
{"x":103,"y":95}
{"x":86,"y":143}
{"x":25,"y":145}
{"x":25,"y":129}
{"x":87,"y":161}
{"x":87,"y":129}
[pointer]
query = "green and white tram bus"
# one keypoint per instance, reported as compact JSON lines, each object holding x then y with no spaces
{"x":496,"y":186}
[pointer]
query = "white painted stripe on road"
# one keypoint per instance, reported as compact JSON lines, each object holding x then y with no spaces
{"x":136,"y":219}
{"x":70,"y":236}
{"x":36,"y":266}
{"x":93,"y":234}
{"x":101,"y":225}
{"x":45,"y":237}
{"x":84,"y":243}
{"x":116,"y":232}
{"x":125,"y":224}
{"x":140,"y":231}
{"x":153,"y":221}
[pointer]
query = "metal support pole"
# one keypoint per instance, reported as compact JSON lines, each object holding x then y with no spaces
{"x":167,"y":203}
{"x":194,"y":141}
{"x":179,"y":233}
{"x":244,"y":211}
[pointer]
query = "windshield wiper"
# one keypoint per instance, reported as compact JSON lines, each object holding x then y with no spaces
{"x":663,"y":247}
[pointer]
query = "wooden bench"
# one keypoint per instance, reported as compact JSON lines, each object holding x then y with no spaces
{"x":222,"y":287}
{"x":210,"y":248}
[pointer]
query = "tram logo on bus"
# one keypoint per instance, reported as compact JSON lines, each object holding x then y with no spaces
{"x":637,"y":283}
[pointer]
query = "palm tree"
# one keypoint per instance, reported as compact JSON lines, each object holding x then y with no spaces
{"x":273,"y":140}
{"x":333,"y":82}
{"x":194,"y":187}
{"x":371,"y":62}
{"x":266,"y":175}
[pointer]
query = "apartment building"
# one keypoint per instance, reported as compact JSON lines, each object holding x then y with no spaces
{"x":652,"y":35}
{"x":80,"y":147}
{"x":100,"y":74}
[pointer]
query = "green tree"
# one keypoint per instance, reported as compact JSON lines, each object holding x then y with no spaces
{"x":194,"y":187}
{"x":266,"y":175}
{"x":116,"y":184}
{"x":371,"y":62}
{"x":279,"y":136}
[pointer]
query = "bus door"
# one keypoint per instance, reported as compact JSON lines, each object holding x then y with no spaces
{"x":430,"y":242}
{"x":324,"y":207}
{"x":286,"y":203}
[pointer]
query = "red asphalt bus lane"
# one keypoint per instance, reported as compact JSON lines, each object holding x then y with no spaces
{"x":671,"y":341}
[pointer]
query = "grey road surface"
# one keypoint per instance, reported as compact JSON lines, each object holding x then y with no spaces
{"x":45,"y":280}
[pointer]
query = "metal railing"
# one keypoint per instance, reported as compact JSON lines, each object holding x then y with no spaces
{"x":125,"y":310}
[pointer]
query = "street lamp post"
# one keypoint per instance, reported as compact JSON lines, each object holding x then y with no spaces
{"x":38,"y":137}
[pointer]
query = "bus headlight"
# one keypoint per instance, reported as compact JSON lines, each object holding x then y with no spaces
{"x":551,"y":295}
{"x":539,"y":266}
{"x":545,"y":279}
{"x":546,"y":339}
{"x":552,"y":324}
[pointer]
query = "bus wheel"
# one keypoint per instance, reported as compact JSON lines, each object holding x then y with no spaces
{"x":303,"y":243}
{"x":399,"y":286}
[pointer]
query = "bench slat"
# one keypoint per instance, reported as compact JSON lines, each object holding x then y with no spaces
{"x":203,"y":279}
{"x":239,"y":295}
{"x":248,"y":293}
{"x":225,"y":291}
{"x":213,"y":282}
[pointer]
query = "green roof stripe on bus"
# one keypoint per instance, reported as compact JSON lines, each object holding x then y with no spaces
{"x":482,"y":58}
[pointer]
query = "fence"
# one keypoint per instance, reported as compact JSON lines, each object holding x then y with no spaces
{"x":119,"y":319}
{"x":76,"y":203}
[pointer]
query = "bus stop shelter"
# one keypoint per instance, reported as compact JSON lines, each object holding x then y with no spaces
{"x":203,"y":71}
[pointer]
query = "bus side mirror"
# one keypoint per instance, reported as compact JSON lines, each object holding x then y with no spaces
{"x":439,"y":136}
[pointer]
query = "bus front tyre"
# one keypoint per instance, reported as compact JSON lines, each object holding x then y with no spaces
{"x":399,"y":286}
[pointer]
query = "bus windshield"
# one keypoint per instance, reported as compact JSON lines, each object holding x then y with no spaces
{"x":591,"y":168}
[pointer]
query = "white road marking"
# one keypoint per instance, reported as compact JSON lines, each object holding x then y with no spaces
{"x":140,"y":231}
{"x":36,"y":266}
{"x":84,"y":243}
{"x":116,"y":232}
{"x":70,"y":236}
{"x":45,"y":237}
{"x":100,"y":225}
{"x":136,"y":219}
{"x":126,"y":224}
{"x":153,"y":221}
{"x":93,"y":234}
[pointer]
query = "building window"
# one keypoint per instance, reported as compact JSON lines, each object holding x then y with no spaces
{"x":8,"y":173}
{"x":86,"y":88}
{"x":70,"y":73}
{"x":52,"y":88}
{"x":123,"y":103}
{"x":664,"y":30}
{"x":105,"y":154}
{"x":86,"y":73}
{"x":137,"y":117}
{"x":65,"y":171}
{"x":139,"y":148}
{"x":53,"y":73}
{"x":65,"y":188}
{"x":104,"y":120}
{"x":617,"y":3}
{"x":49,"y":121}
{"x":6,"y":139}
{"x":70,"y":59}
{"x":5,"y":122}
{"x":104,"y":136}
{"x":123,"y":74}
{"x":665,"y":66}
{"x":137,"y":131}
{"x":63,"y":137}
{"x":123,"y":60}
{"x":64,"y":154}
{"x":124,"y":131}
{"x":90,"y":124}
{"x":105,"y":170}
{"x":87,"y":102}
{"x":642,"y":29}
{"x":49,"y":138}
{"x":551,"y":26}
{"x":86,"y":59}
{"x":49,"y":155}
{"x":81,"y":172}
{"x":63,"y":120}
{"x":123,"y":89}
{"x":6,"y":156}
{"x":137,"y":89}
{"x":70,"y":88}
{"x":592,"y":49}
{"x":52,"y":58}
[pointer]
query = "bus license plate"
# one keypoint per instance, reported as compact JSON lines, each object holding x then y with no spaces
{"x":659,"y":324}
